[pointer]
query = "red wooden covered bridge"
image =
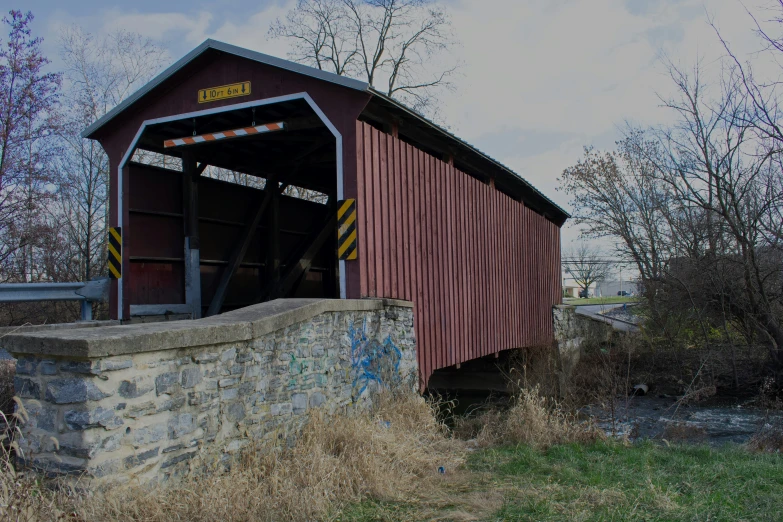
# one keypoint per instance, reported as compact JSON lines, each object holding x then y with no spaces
{"x":433,"y":220}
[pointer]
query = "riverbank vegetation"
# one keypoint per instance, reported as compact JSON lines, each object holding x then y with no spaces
{"x":531,"y":461}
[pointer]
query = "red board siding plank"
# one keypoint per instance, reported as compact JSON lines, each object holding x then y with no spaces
{"x":361,"y":210}
{"x":454,"y":297}
{"x":513,"y":318}
{"x":450,"y":252}
{"x":459,"y":325}
{"x":489,"y":317}
{"x":497,"y":293}
{"x":438,"y":266}
{"x":394,"y":216}
{"x":448,"y":324}
{"x":404,"y":216}
{"x":489,"y":267}
{"x":481,"y":241}
{"x":476,"y":304}
{"x":502,"y":254}
{"x":421,"y":282}
{"x":426,"y":253}
{"x":384,"y":207}
{"x":398,"y":219}
{"x":377,"y":212}
{"x":432,"y":249}
{"x":514,"y":285}
{"x":369,"y":241}
{"x":411,"y":221}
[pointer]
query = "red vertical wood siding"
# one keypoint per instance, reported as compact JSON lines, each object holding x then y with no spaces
{"x":482,"y":269}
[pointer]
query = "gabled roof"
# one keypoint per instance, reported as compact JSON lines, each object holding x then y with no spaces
{"x":343,"y":81}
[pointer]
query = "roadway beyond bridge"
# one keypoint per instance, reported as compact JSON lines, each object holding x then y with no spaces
{"x":598,"y":313}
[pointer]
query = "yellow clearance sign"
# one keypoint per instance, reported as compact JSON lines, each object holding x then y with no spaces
{"x":223,"y":92}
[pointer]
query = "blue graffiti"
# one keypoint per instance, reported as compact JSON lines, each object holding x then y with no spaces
{"x":372,"y":361}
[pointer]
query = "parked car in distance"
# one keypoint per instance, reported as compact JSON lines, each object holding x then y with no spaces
{"x":623,"y":293}
{"x":583,"y":293}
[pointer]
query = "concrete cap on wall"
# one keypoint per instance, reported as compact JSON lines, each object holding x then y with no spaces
{"x":239,"y":325}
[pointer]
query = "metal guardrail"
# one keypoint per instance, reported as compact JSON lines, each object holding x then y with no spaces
{"x":87,"y":293}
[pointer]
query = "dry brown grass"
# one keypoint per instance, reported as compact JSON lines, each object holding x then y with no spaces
{"x":7,"y":372}
{"x":769,"y":439}
{"x":683,"y":432}
{"x":22,"y":498}
{"x":532,"y":419}
{"x":392,"y":454}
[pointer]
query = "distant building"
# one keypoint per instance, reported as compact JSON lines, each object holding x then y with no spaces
{"x":614,"y":286}
{"x":572,"y":289}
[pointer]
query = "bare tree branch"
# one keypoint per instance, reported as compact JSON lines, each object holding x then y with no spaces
{"x":385,"y":42}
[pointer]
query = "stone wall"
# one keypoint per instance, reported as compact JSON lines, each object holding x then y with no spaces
{"x":140,"y":402}
{"x":573,"y":332}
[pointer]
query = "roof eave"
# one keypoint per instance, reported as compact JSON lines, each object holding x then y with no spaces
{"x":474,"y":150}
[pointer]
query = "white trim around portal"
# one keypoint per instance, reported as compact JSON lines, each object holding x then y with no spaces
{"x":226,"y":108}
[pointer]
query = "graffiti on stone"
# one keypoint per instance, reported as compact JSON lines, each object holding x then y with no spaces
{"x":372,"y":361}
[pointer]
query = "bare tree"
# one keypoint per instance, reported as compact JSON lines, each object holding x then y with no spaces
{"x":615,"y":195}
{"x":398,"y":46}
{"x":697,"y":205}
{"x":718,"y":163}
{"x":28,"y":104}
{"x":586,"y":265}
{"x":99,"y":74}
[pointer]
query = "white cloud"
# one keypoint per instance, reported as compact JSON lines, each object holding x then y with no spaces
{"x":160,"y":26}
{"x":251,"y":32}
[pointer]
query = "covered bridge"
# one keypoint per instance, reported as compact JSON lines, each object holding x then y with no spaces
{"x":394,"y":206}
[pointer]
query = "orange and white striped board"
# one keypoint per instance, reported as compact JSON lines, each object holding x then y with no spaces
{"x":214,"y":136}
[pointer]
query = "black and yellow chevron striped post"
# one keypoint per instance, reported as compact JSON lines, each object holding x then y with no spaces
{"x":346,"y":230}
{"x":115,"y":252}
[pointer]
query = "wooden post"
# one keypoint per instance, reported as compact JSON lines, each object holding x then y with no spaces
{"x":192,"y":258}
{"x":302,"y":259}
{"x":240,"y":247}
{"x":273,"y":234}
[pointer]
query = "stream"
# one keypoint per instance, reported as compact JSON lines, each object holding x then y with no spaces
{"x":716,"y":422}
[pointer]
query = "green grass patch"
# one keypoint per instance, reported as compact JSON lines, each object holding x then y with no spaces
{"x":374,"y":510}
{"x":609,"y":481}
{"x":617,"y":299}
{"x":602,"y":481}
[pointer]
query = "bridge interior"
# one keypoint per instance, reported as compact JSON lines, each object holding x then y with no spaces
{"x":230,"y":221}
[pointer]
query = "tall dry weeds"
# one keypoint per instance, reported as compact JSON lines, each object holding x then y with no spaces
{"x":7,"y":372}
{"x":390,"y":454}
{"x":22,"y":497}
{"x":532,"y":419}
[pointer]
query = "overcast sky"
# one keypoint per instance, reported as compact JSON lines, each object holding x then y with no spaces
{"x":541,"y":78}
